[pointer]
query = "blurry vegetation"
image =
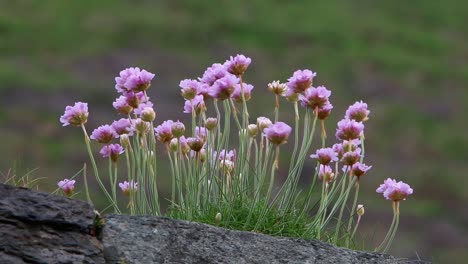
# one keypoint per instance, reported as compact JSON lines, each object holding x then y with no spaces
{"x":407,"y":60}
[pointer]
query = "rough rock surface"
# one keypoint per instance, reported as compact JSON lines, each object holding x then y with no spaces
{"x":163,"y":240}
{"x":43,"y":228}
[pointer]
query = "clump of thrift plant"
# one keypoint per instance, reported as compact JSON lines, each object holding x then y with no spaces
{"x":229,"y":184}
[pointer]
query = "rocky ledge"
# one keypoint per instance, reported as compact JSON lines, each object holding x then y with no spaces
{"x":38,"y":227}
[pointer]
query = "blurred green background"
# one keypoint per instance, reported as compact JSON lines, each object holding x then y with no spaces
{"x":408,"y":60}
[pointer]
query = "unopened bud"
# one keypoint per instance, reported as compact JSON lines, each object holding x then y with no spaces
{"x":360,"y":210}
{"x":263,"y":122}
{"x":124,"y":140}
{"x":174,"y":144}
{"x":211,"y":123}
{"x":178,"y":129}
{"x":252,"y":129}
{"x":218,"y":217}
{"x":148,"y":114}
{"x":277,"y":88}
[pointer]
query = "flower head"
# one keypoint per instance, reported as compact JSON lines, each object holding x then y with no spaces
{"x":195,"y":143}
{"x":326,"y":173}
{"x":133,"y":79}
{"x":75,"y":115}
{"x":351,"y":157}
{"x":122,"y":126}
{"x":189,"y":88}
{"x":112,"y":150}
{"x":277,"y":88}
{"x":178,"y":129}
{"x":325,"y":155}
{"x":315,"y":97}
{"x":197,"y":103}
{"x":122,"y":106}
{"x":237,"y":94}
{"x":126,"y":187}
{"x":142,"y":107}
{"x":141,"y":126}
{"x":358,"y":169}
{"x":324,"y":111}
{"x":300,"y":81}
{"x":213,"y":73}
{"x":278,"y":133}
{"x":164,"y":131}
{"x":67,"y":186}
{"x":237,"y":65}
{"x":201,"y":132}
{"x":223,"y":88}
{"x":358,"y":111}
{"x":263,"y":122}
{"x":211,"y":123}
{"x":349,"y":129}
{"x":395,"y":191}
{"x":104,"y":134}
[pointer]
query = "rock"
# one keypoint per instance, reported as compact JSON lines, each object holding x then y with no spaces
{"x":164,"y":240}
{"x":44,"y":228}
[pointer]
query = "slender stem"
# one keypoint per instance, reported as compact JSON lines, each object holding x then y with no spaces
{"x":353,"y":210}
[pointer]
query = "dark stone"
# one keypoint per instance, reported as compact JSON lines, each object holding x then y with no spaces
{"x":164,"y":240}
{"x":44,"y":228}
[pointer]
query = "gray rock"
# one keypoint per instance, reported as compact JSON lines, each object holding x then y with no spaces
{"x":164,"y":240}
{"x":43,"y":228}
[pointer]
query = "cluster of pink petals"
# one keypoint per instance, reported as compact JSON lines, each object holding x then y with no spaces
{"x":197,"y":104}
{"x":357,"y":169}
{"x":104,"y":134}
{"x":351,"y":157}
{"x":358,"y":111}
{"x":325,"y":155}
{"x":67,"y":186}
{"x":395,"y":191}
{"x":112,"y":150}
{"x":237,"y":65}
{"x":326,"y":172}
{"x":213,"y":73}
{"x":123,"y":126}
{"x":126,"y":187}
{"x":225,"y":155}
{"x":349,"y":129}
{"x":76,"y":115}
{"x":300,"y":81}
{"x":133,"y":80}
{"x":189,"y":88}
{"x":223,"y":88}
{"x":315,"y":97}
{"x":164,"y":131}
{"x":278,"y":133}
{"x":237,"y":94}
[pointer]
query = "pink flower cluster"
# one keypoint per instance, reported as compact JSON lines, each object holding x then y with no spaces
{"x":220,"y":82}
{"x":395,"y":191}
{"x":67,"y":186}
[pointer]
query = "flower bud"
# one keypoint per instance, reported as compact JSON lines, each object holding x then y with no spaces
{"x":178,"y":129}
{"x":148,"y":114}
{"x":124,"y":140}
{"x":218,"y":217}
{"x":252,"y":129}
{"x":202,"y":155}
{"x":277,"y":88}
{"x":211,"y":123}
{"x":360,"y":210}
{"x":174,"y":144}
{"x":263,"y":122}
{"x":196,"y":144}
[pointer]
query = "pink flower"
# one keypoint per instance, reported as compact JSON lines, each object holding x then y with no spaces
{"x":349,"y":129}
{"x":278,"y":133}
{"x":326,"y":172}
{"x":189,"y":88}
{"x":237,"y":65}
{"x":196,"y":143}
{"x":197,"y":102}
{"x":300,"y":81}
{"x":213,"y":73}
{"x":164,"y":131}
{"x":201,"y":132}
{"x":67,"y":186}
{"x":133,"y":79}
{"x":358,"y":111}
{"x":223,"y":88}
{"x":395,"y":191}
{"x":237,"y":94}
{"x":325,"y":155}
{"x":359,"y":169}
{"x":122,"y":126}
{"x":121,"y":105}
{"x":112,"y":150}
{"x":126,"y":187}
{"x":225,"y":155}
{"x":324,"y":111}
{"x":75,"y":115}
{"x":134,"y":99}
{"x":104,"y":134}
{"x":351,"y":157}
{"x":315,"y":97}
{"x":142,"y":106}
